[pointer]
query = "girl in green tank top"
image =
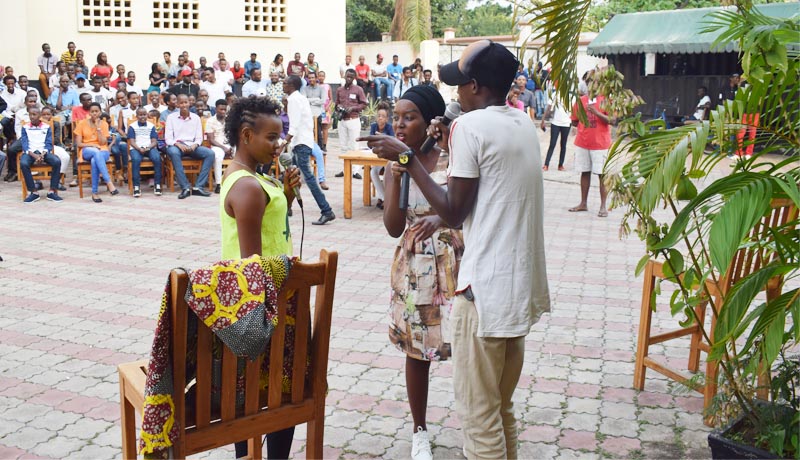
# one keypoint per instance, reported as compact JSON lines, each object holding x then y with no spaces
{"x":252,"y":207}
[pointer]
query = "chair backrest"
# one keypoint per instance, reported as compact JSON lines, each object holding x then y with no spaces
{"x":748,"y":260}
{"x":214,"y":430}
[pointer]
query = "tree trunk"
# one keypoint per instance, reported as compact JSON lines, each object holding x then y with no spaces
{"x":397,"y":20}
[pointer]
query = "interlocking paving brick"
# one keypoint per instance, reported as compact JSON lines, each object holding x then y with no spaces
{"x":578,"y":365}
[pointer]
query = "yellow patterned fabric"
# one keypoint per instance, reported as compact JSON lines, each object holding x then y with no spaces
{"x":237,"y":299}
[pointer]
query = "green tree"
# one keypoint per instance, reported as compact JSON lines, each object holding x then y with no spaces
{"x":486,"y":19}
{"x":411,"y":21}
{"x":367,"y":19}
{"x":446,"y":13}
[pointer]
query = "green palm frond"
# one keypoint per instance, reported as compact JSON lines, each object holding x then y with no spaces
{"x":559,"y":23}
{"x":416,"y":22}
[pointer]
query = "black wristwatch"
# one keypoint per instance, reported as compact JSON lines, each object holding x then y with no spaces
{"x":405,"y":157}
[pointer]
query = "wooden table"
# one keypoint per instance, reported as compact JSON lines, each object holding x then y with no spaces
{"x":358,"y":157}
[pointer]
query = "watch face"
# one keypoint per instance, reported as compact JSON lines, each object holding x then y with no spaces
{"x":402,"y":159}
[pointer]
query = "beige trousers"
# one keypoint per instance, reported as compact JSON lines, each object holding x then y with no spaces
{"x":485,"y":373}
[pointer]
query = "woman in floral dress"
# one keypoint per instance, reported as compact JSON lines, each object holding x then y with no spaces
{"x":426,"y":260}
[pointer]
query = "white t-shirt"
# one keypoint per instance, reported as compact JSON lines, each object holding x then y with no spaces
{"x":343,"y":68}
{"x":223,"y":76}
{"x":504,"y":258}
{"x":378,"y":69}
{"x":251,"y":87}
{"x":560,"y":116}
{"x":161,"y":108}
{"x":216,"y":90}
{"x":698,"y":114}
{"x":218,"y":128}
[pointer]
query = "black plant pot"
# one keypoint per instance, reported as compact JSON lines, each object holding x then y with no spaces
{"x":724,"y":448}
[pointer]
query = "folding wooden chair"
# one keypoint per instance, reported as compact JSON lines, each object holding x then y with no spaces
{"x":202,"y":428}
{"x":744,"y":262}
{"x":42,"y":172}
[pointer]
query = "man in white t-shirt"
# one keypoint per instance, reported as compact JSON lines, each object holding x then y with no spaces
{"x":215,"y":135}
{"x":216,"y":88}
{"x":224,"y":74}
{"x":495,"y":190}
{"x":702,"y":105}
{"x":381,"y":78}
{"x":254,"y":84}
{"x":348,"y":64}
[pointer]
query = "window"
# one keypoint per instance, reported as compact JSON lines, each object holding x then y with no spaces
{"x":105,"y":14}
{"x":182,"y":15}
{"x":265,"y":16}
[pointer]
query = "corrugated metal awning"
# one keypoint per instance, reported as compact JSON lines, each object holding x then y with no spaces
{"x":672,"y":31}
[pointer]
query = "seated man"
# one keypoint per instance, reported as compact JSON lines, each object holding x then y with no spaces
{"x":143,"y":142}
{"x":702,"y":105}
{"x":362,"y":74}
{"x":215,"y":134}
{"x":37,"y":148}
{"x":58,"y":149}
{"x":63,"y":98}
{"x":20,"y":118}
{"x":184,"y":134}
{"x":381,"y":78}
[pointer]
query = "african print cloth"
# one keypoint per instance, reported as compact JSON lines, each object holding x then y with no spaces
{"x":423,"y":280}
{"x":237,"y":299}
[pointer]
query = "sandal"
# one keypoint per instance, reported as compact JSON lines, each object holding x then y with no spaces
{"x":578,"y":209}
{"x":602,"y":213}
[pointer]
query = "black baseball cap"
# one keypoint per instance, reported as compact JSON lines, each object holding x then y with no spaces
{"x":487,"y":62}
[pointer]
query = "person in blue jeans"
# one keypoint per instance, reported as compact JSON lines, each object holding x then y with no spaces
{"x":37,"y":147}
{"x":91,"y":139}
{"x":300,"y":138}
{"x":143,"y":140}
{"x":381,"y":79}
{"x":184,"y":134}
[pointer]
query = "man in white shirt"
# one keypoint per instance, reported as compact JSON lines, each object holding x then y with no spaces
{"x":348,"y":64}
{"x":224,"y":74}
{"x":215,"y":135}
{"x":404,"y":84}
{"x":300,"y":139}
{"x":20,"y":117}
{"x":495,"y":190}
{"x":80,"y":84}
{"x":702,"y":105}
{"x":130,"y":84}
{"x":381,"y":78}
{"x":12,"y":98}
{"x":184,"y":136}
{"x":216,"y":88}
{"x":254,"y":84}
{"x":154,"y":102}
{"x":101,"y":95}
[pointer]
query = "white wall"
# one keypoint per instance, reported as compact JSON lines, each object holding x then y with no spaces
{"x":404,"y":51}
{"x":29,"y":23}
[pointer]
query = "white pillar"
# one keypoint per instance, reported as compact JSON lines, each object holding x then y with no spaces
{"x":429,"y":53}
{"x":449,"y":34}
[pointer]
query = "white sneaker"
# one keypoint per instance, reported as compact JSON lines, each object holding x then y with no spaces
{"x":421,"y":445}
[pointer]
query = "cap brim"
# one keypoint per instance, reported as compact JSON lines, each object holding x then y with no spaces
{"x":450,"y":74}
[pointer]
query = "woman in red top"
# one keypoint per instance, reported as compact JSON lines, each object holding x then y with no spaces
{"x":102,"y":69}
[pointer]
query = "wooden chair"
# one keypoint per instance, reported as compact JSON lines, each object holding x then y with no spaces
{"x":147,"y":168}
{"x":264,"y":412}
{"x":85,"y":169}
{"x":744,"y":262}
{"x":42,"y":172}
{"x":191,"y":167}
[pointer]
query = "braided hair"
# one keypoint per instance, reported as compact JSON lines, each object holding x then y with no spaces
{"x":244,"y":112}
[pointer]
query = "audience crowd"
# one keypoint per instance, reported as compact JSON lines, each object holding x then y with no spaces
{"x":179,"y":112}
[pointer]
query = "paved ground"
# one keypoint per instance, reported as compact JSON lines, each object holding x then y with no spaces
{"x":80,"y":289}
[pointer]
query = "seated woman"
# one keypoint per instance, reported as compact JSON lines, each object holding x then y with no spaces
{"x":91,"y":139}
{"x":253,"y":207}
{"x":380,"y":126}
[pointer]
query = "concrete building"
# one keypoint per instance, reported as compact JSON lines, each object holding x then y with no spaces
{"x":137,"y":32}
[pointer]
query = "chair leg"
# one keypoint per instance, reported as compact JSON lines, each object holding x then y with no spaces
{"x":315,"y":434}
{"x":80,"y":182}
{"x":645,"y":320}
{"x":128,"y":420}
{"x":254,"y":448}
{"x":697,"y":338}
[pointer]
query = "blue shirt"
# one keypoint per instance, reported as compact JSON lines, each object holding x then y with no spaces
{"x":395,"y":71}
{"x":388,"y":130}
{"x":70,"y":98}
{"x":250,"y":66}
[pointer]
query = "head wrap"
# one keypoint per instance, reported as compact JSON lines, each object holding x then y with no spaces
{"x":428,"y":101}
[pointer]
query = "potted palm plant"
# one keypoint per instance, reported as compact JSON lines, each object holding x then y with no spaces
{"x":697,"y":223}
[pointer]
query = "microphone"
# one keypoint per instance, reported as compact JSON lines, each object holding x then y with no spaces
{"x":285,"y":161}
{"x":452,"y":112}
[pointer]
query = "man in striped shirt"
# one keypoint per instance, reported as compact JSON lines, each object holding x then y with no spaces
{"x":142,"y":141}
{"x":37,"y":148}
